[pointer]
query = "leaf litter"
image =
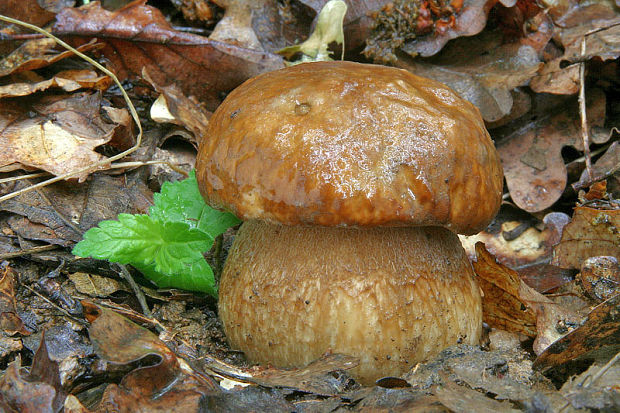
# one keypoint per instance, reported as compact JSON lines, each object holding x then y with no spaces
{"x":550,"y":301}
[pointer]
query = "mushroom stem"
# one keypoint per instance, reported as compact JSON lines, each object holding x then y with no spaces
{"x":391,"y":296}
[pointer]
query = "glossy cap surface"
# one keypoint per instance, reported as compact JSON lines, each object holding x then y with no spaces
{"x":343,"y":143}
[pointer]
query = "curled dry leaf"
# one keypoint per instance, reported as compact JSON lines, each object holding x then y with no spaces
{"x":26,"y":83}
{"x":592,"y":232}
{"x":463,"y":399}
{"x":604,"y":167}
{"x":138,"y":36}
{"x":601,"y":329}
{"x":35,"y":54}
{"x":59,"y":138}
{"x":482,"y":71}
{"x":509,"y":304}
{"x":10,"y":322}
{"x":169,"y":384}
{"x":184,"y":111}
{"x":532,"y":155}
{"x":599,"y":24}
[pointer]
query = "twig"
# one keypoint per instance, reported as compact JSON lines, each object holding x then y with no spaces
{"x":585,"y":133}
{"x":28,"y":251}
{"x":132,"y":110}
{"x":19,"y":178}
{"x":56,"y":306}
{"x":136,"y":290}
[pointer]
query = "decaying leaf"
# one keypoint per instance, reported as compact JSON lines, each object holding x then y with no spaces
{"x":95,"y":285}
{"x":45,"y":370}
{"x":29,"y":11}
{"x":502,"y":306}
{"x":532,"y":156}
{"x":592,"y":232}
{"x":598,"y":23}
{"x":10,"y":322}
{"x":600,"y":277}
{"x":481,"y":70}
{"x":509,"y":304}
{"x":166,"y":385}
{"x":59,"y":137}
{"x":520,"y":243}
{"x":36,"y":54}
{"x":181,"y":110}
{"x":604,"y":167}
{"x":26,"y":83}
{"x":138,"y":36}
{"x":601,"y":329}
{"x":317,"y":377}
{"x":19,"y":395}
{"x":463,"y":399}
{"x":584,"y":392}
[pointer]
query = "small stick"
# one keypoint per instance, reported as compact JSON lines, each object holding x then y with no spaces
{"x":585,"y":134}
{"x":136,"y":290}
{"x":28,"y":251}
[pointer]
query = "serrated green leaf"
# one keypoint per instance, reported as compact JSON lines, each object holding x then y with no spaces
{"x":181,"y":202}
{"x":169,"y":253}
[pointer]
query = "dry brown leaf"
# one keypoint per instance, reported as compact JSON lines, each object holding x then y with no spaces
{"x":19,"y":395}
{"x":461,"y":399}
{"x":138,"y":36}
{"x":185,"y":111}
{"x":482,"y":71}
{"x":26,"y":83}
{"x":601,"y":329}
{"x":509,"y":304}
{"x":35,"y":54}
{"x":10,"y":322}
{"x":532,"y":156}
{"x":592,"y":232}
{"x":169,"y":384}
{"x":603,"y":166}
{"x":57,"y":135}
{"x":30,"y":11}
{"x":599,"y":24}
{"x":600,"y":277}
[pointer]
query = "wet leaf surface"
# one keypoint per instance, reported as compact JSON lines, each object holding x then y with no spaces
{"x":142,"y":32}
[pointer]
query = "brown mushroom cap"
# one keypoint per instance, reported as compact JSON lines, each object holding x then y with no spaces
{"x":342,"y":143}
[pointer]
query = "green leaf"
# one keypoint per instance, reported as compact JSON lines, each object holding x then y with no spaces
{"x":181,"y":202}
{"x":329,"y":28}
{"x":169,"y":253}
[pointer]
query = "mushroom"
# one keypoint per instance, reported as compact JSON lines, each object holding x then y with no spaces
{"x":351,"y":179}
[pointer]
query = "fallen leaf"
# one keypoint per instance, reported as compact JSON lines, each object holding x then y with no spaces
{"x":57,"y":134}
{"x":95,"y":285}
{"x":45,"y":370}
{"x":519,"y":242}
{"x":317,"y":377}
{"x":601,"y":329}
{"x":21,"y":396}
{"x":509,"y":304}
{"x":592,"y":232}
{"x":463,"y":399}
{"x":532,"y":156}
{"x":481,"y":70}
{"x":585,"y":393}
{"x":36,"y":54}
{"x":598,"y":24}
{"x":247,"y":399}
{"x":10,"y":321}
{"x":29,"y":11}
{"x":600,"y":277}
{"x":168,"y":384}
{"x":138,"y":36}
{"x":182,"y":110}
{"x":26,"y":83}
{"x":604,"y":167}
{"x":502,"y":306}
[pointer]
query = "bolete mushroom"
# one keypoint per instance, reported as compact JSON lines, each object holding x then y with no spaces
{"x":350,"y":179}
